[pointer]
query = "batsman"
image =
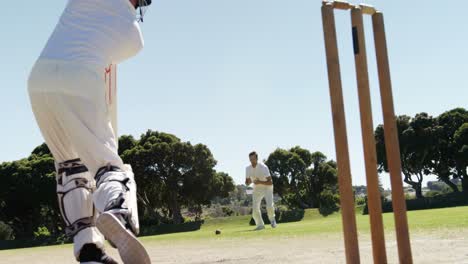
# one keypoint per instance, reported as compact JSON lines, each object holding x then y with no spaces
{"x":72,"y":92}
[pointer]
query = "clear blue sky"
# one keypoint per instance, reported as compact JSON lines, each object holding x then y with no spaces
{"x":242,"y":75}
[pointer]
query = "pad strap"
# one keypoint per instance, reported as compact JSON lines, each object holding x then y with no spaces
{"x":141,"y":3}
{"x":78,"y":225}
{"x":103,"y":170}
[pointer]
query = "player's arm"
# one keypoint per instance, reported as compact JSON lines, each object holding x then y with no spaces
{"x":269,"y":180}
{"x":266,"y":173}
{"x":248,"y":180}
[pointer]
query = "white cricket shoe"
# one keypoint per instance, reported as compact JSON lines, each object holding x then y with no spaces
{"x":274,"y":224}
{"x":130,"y":249}
{"x":258,"y":228}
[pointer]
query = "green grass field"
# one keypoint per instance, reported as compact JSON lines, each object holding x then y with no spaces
{"x":314,"y":224}
{"x":434,"y":234}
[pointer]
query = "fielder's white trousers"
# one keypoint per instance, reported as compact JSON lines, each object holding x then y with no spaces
{"x":260,"y":192}
{"x":69,"y":103}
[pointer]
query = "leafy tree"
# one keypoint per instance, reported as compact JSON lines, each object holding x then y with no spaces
{"x":447,"y":157}
{"x":27,"y":194}
{"x":42,"y":150}
{"x":288,"y":170}
{"x":417,"y":137}
{"x":171,"y":174}
{"x":126,"y":142}
{"x":301,"y":178}
{"x":461,"y":154}
{"x":322,"y":179}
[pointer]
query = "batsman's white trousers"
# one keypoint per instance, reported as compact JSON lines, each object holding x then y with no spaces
{"x":260,"y":192}
{"x":69,"y":103}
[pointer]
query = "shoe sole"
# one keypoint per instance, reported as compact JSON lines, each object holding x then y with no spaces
{"x":130,"y":249}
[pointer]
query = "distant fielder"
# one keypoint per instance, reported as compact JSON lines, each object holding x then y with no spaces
{"x":259,"y":174}
{"x":72,"y":93}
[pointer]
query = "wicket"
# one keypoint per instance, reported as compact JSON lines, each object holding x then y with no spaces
{"x":390,"y":130}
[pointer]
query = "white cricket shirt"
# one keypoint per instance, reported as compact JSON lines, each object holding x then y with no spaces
{"x":98,"y":32}
{"x":260,"y":172}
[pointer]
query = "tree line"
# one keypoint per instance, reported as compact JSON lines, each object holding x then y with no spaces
{"x":170,"y":174}
{"x":177,"y":178}
{"x":430,"y":146}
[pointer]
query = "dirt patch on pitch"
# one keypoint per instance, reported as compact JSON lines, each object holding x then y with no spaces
{"x":443,"y":246}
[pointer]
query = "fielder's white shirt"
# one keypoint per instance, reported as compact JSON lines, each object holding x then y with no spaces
{"x":98,"y":32}
{"x":260,"y":172}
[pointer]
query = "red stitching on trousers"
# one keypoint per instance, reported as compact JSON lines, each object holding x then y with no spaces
{"x":109,"y":71}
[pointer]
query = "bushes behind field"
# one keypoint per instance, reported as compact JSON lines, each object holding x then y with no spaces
{"x":437,"y":201}
{"x":328,"y":202}
{"x":151,"y":230}
{"x":6,"y":232}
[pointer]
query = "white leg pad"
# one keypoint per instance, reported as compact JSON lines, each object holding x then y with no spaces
{"x":87,"y":236}
{"x":116,"y":193}
{"x":75,"y":187}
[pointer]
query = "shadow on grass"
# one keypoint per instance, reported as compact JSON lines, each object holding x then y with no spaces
{"x":145,"y":231}
{"x":283,"y":216}
{"x":170,"y":228}
{"x":27,"y":243}
{"x":246,"y":231}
